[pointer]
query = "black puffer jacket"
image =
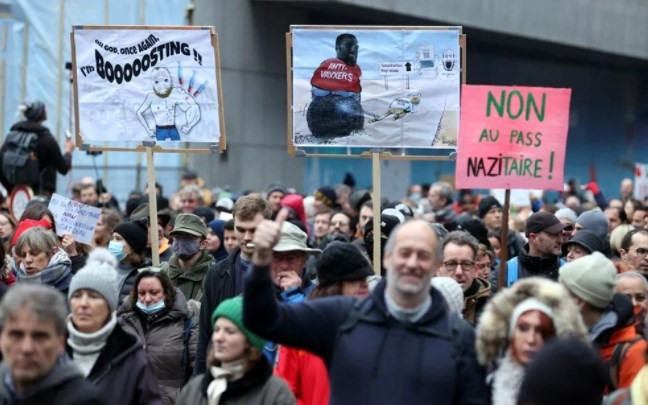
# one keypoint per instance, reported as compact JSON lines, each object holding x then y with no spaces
{"x":163,"y":337}
{"x":122,"y":371}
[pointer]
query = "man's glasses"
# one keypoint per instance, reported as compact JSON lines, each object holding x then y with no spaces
{"x":339,"y":223}
{"x":453,"y":264}
{"x":641,"y":252}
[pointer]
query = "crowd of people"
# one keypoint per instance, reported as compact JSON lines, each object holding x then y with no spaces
{"x":269,"y":297}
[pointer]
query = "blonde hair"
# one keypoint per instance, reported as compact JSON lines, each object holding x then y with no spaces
{"x":616,"y":237}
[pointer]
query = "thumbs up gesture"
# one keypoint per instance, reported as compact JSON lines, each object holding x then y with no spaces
{"x":266,"y":237}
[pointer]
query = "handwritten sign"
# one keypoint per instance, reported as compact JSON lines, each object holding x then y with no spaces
{"x":512,"y":137}
{"x":75,"y":218}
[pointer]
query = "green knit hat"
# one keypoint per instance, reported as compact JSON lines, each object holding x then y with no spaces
{"x":232,"y":309}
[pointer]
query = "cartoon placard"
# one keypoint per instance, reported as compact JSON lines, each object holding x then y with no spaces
{"x":147,"y":84}
{"x":391,"y":87}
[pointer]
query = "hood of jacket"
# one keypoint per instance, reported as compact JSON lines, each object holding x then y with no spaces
{"x":63,"y":371}
{"x":618,"y":315}
{"x":493,"y":328}
{"x":196,"y":272}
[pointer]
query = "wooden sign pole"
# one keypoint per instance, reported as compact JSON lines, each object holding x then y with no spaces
{"x":377,"y":256}
{"x":502,"y":279}
{"x":153,"y":219}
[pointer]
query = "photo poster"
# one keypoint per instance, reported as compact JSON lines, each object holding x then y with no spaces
{"x":140,"y":84}
{"x":392,"y":87}
{"x":641,"y":181}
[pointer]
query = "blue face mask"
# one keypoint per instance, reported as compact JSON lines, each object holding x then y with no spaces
{"x":117,"y":249}
{"x":150,"y":309}
{"x":415,"y":197}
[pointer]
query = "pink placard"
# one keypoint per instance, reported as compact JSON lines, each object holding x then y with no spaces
{"x":512,"y":137}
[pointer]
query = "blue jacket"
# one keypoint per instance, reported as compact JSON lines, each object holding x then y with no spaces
{"x":379,"y":361}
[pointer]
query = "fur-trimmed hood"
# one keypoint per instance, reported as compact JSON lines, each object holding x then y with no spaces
{"x":492,"y":330}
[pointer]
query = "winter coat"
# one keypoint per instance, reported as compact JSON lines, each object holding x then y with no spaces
{"x":163,"y":338}
{"x":189,"y":281}
{"x":50,"y":159}
{"x":63,"y":385}
{"x":305,"y":374}
{"x":493,"y":334}
{"x":122,"y":371}
{"x":616,"y":327}
{"x":57,"y":274}
{"x":379,"y":359}
{"x":475,"y":298}
{"x":493,"y":327}
{"x":257,"y":387}
{"x":220,"y":284}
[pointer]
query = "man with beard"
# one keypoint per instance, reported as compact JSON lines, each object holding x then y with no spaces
{"x":541,"y":256}
{"x":342,"y":227}
{"x":400,"y":342}
{"x":163,"y":102}
{"x":335,"y":108}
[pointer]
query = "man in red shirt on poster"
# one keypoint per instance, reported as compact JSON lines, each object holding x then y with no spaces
{"x":335,"y":108}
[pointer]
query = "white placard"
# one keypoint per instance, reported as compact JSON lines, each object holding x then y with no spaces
{"x":519,"y":197}
{"x":147,"y":85}
{"x":75,"y":218}
{"x":641,"y":181}
{"x":392,"y":68}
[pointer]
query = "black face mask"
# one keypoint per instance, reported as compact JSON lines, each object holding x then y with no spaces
{"x":185,"y":248}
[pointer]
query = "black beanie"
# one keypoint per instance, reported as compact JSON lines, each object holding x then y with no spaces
{"x":486,"y":204}
{"x":564,"y":372}
{"x":341,"y":261}
{"x":476,"y":228}
{"x":135,"y":234}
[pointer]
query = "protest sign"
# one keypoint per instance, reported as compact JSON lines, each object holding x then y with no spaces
{"x":393,"y":87}
{"x":147,"y":84}
{"x":641,"y":181}
{"x":512,"y":137}
{"x":75,"y":218}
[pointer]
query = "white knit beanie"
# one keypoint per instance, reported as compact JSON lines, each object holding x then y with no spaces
{"x":591,"y":278}
{"x":99,"y":275}
{"x":529,"y":304}
{"x":451,"y":291}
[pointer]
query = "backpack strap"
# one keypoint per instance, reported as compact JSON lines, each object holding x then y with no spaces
{"x":360,"y":311}
{"x":618,"y":354}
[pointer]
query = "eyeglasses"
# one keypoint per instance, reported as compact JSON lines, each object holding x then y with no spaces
{"x":339,"y":223}
{"x":641,"y":252}
{"x":452,"y":265}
